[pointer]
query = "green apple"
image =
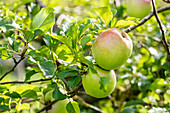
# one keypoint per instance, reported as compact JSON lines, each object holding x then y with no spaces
{"x":47,"y":97}
{"x":138,"y":8}
{"x":112,"y":48}
{"x":60,"y":106}
{"x":92,"y":86}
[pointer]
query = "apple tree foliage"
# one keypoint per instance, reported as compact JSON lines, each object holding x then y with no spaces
{"x":45,"y":48}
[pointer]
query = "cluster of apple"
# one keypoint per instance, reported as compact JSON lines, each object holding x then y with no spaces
{"x":111,"y":49}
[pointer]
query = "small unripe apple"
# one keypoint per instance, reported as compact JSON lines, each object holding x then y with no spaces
{"x":138,"y":8}
{"x":60,"y":106}
{"x":112,"y":48}
{"x":47,"y":97}
{"x":92,"y":86}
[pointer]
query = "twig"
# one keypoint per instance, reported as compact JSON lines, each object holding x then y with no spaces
{"x":146,"y":19}
{"x":145,"y":35}
{"x":89,"y":105}
{"x":14,"y":60}
{"x":22,"y":82}
{"x":164,"y":40}
{"x":76,"y":89}
{"x":47,"y":106}
{"x":16,"y":63}
{"x":12,"y":68}
{"x":73,"y":93}
{"x":144,"y":46}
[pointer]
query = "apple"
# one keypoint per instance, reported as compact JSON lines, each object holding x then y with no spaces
{"x":60,"y":106}
{"x":112,"y":48}
{"x":138,"y":8}
{"x":92,"y":86}
{"x":47,"y":97}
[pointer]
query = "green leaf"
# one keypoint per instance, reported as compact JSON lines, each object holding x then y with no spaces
{"x":4,"y":55}
{"x":13,"y":95}
{"x":157,"y":84}
{"x":65,"y":73}
{"x":52,"y":43}
{"x":28,"y":35}
{"x":65,"y":40}
{"x":84,"y":27}
{"x":13,"y":43}
{"x":134,"y":102}
{"x":47,"y":67}
{"x":87,"y":62}
{"x":166,"y":97}
{"x":2,"y":88}
{"x":85,"y":40}
{"x":37,"y":32}
{"x":29,"y":74}
{"x":44,"y":20}
{"x":129,"y":110}
{"x":7,"y":24}
{"x":104,"y":83}
{"x":4,"y":108}
{"x":29,"y":94}
{"x":73,"y":81}
{"x":10,"y":14}
{"x":124,"y":23}
{"x":114,"y":11}
{"x":72,"y":33}
{"x":23,"y":106}
{"x":73,"y":107}
{"x":58,"y":95}
{"x":1,"y":100}
{"x":35,"y":8}
{"x":21,"y":2}
{"x":105,"y":14}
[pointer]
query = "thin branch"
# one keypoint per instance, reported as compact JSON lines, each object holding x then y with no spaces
{"x":76,"y":89}
{"x":163,"y":30}
{"x":146,"y":35}
{"x":14,"y":60}
{"x":146,"y":47}
{"x":47,"y":106}
{"x":16,"y":63}
{"x":73,"y":93}
{"x":22,"y":82}
{"x":89,"y":105}
{"x":146,"y":19}
{"x":12,"y":68}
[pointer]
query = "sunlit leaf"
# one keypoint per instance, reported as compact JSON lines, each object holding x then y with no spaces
{"x":29,"y":94}
{"x":73,"y":107}
{"x":43,"y":20}
{"x":23,"y":106}
{"x":105,"y":14}
{"x":124,"y":23}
